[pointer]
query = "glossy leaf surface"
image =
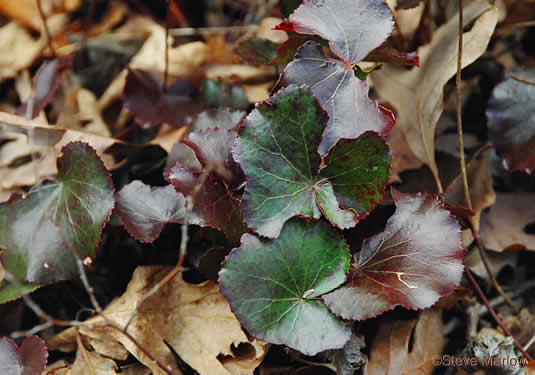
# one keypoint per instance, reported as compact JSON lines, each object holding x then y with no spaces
{"x":417,"y":259}
{"x":286,"y":177}
{"x":273,"y":285}
{"x":58,"y":219}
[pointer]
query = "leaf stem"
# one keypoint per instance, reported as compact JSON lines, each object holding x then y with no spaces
{"x":494,"y":315}
{"x":166,"y":66}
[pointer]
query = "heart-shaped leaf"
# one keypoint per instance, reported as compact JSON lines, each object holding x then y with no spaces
{"x":342,"y":95}
{"x":287,"y":177}
{"x":58,"y":219}
{"x":273,"y":286}
{"x":144,"y":210}
{"x":511,"y":121}
{"x":416,"y":260}
{"x":353,"y":27}
{"x":29,"y":359}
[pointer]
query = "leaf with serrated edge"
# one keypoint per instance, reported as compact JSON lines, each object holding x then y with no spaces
{"x":342,"y":95}
{"x":277,"y":152}
{"x":58,"y":219}
{"x":511,"y":122}
{"x":29,"y":359}
{"x":275,"y":299}
{"x":416,"y":260}
{"x":144,"y":210}
{"x":353,"y":27}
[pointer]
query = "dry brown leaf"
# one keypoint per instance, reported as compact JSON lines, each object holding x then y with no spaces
{"x":184,"y":60}
{"x":27,"y":13}
{"x":417,"y":94}
{"x":91,"y":363}
{"x":402,"y":156}
{"x":239,"y":73}
{"x":390,"y":350}
{"x":265,"y":30}
{"x":482,"y":194}
{"x":502,"y":226}
{"x":407,"y":20}
{"x":195,"y":320}
{"x":18,"y":50}
{"x":46,"y":135}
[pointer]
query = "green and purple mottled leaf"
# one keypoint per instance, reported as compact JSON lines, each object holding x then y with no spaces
{"x":353,"y":27}
{"x":144,"y":210}
{"x":58,"y":219}
{"x":417,"y":259}
{"x":273,"y":286}
{"x":286,"y":177}
{"x":29,"y":359}
{"x":265,"y":52}
{"x":511,"y":122}
{"x":341,"y":94}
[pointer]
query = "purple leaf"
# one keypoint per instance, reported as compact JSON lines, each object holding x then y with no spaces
{"x":144,"y":210}
{"x":417,"y":259}
{"x":143,"y":95}
{"x":342,"y":95}
{"x":353,"y":27}
{"x":29,"y":359}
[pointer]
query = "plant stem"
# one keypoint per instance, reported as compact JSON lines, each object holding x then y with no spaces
{"x":45,"y":28}
{"x":166,"y":67}
{"x":520,"y":79}
{"x":494,"y":315}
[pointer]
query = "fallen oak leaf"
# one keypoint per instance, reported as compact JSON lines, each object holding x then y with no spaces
{"x":390,"y":353}
{"x":417,"y":94}
{"x":173,"y":315}
{"x":416,"y":260}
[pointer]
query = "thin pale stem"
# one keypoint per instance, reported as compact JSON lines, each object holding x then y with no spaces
{"x":459,"y":113}
{"x":494,"y":315}
{"x":166,"y":67}
{"x":48,"y":36}
{"x":520,"y":79}
{"x":190,"y":31}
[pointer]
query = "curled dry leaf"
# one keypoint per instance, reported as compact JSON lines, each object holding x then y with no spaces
{"x":417,"y":94}
{"x":390,"y":353}
{"x":504,"y":224}
{"x":175,"y":314}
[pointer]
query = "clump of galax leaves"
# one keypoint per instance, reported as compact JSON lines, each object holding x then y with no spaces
{"x":284,"y":183}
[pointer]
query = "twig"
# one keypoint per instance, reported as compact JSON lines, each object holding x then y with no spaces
{"x":190,"y":31}
{"x":462,"y":161}
{"x":520,"y":79}
{"x":45,"y":28}
{"x":458,"y":108}
{"x":166,"y":67}
{"x":494,"y":315}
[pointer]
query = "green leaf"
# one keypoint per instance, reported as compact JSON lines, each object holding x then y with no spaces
{"x":277,"y":150}
{"x":58,"y":219}
{"x":273,"y":286}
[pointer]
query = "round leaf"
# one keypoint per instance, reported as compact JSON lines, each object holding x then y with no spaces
{"x":58,"y":219}
{"x":273,"y":286}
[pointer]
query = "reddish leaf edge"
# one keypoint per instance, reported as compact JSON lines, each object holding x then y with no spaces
{"x":17,"y":196}
{"x":126,"y":227}
{"x":461,"y":254}
{"x":207,"y":181}
{"x":18,"y":349}
{"x":360,"y":217}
